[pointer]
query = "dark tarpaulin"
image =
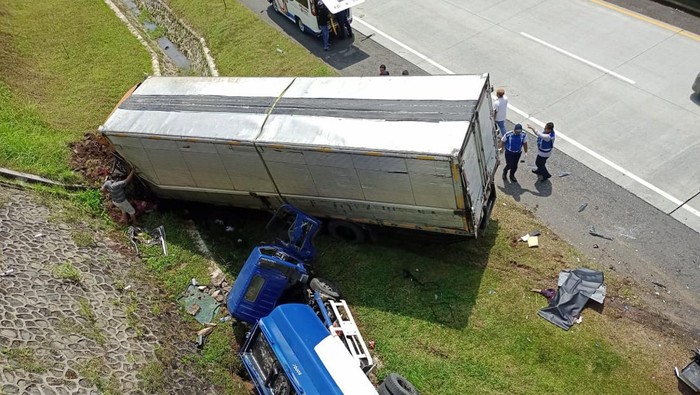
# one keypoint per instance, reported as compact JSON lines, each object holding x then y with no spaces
{"x":578,"y":286}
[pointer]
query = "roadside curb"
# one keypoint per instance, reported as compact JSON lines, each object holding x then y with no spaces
{"x":681,"y":5}
{"x":33,"y":179}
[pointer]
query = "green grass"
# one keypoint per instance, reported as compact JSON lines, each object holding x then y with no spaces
{"x":83,"y":238}
{"x":152,"y":377}
{"x":55,"y":86}
{"x":25,"y":359}
{"x":219,"y":361}
{"x":132,"y":318}
{"x":87,"y":326}
{"x":66,"y":271}
{"x":243,"y":45}
{"x":29,"y":143}
{"x":96,"y":373}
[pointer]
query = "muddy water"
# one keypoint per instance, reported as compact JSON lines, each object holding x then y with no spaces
{"x":166,"y":45}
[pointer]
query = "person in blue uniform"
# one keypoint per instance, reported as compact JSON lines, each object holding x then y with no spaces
{"x":514,"y":142}
{"x":545,"y":145}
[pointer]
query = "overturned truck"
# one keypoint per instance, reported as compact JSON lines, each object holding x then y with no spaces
{"x":416,"y":152}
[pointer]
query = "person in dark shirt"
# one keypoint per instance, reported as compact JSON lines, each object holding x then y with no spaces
{"x":382,"y":70}
{"x":344,"y":22}
{"x":117,"y":192}
{"x":322,"y":19}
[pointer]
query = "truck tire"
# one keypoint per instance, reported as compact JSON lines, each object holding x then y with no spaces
{"x":398,"y":385}
{"x":382,"y":390}
{"x":300,"y":24}
{"x":347,"y":231}
{"x":325,"y":287}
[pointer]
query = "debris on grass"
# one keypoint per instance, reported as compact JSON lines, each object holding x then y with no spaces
{"x":533,"y":241}
{"x":531,"y":234}
{"x":690,"y":374}
{"x":148,"y":237}
{"x":199,"y":304}
{"x":576,"y":287}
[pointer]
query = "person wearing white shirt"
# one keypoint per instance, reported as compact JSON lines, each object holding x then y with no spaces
{"x":500,"y":106}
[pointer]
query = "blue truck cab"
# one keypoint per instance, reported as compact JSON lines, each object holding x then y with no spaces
{"x":271,"y":270}
{"x":290,"y":351}
{"x":311,"y":347}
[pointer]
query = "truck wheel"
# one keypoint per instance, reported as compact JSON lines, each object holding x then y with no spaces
{"x":347,"y":231}
{"x":398,"y":385}
{"x":382,"y":390}
{"x":301,"y":25}
{"x":274,"y":5}
{"x":325,"y":287}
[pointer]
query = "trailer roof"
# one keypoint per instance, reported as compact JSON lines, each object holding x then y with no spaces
{"x":419,"y":114}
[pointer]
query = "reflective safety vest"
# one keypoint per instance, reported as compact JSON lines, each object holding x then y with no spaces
{"x":514,"y":142}
{"x":546,"y":146}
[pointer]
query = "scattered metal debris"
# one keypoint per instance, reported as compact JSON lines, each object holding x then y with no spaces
{"x":7,"y":273}
{"x":141,"y":235}
{"x":690,"y":374}
{"x":658,"y":284}
{"x":593,"y":232}
{"x":564,"y":174}
{"x":531,"y":234}
{"x":582,"y":207}
{"x":205,"y":331}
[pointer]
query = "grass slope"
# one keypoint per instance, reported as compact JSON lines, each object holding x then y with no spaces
{"x":243,"y":45}
{"x":66,"y":63}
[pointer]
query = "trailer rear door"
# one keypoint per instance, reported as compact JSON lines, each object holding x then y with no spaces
{"x":473,"y":172}
{"x":488,"y":134}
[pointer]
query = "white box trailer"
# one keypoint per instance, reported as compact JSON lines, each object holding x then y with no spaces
{"x":414,"y":152}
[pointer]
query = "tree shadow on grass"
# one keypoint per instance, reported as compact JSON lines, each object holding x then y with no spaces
{"x":412,"y":274}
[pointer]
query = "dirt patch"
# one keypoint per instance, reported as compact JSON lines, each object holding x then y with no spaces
{"x":92,"y":158}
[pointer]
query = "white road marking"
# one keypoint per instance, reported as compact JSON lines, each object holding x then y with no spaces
{"x":404,"y":46}
{"x":527,"y":116}
{"x":580,"y":59}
